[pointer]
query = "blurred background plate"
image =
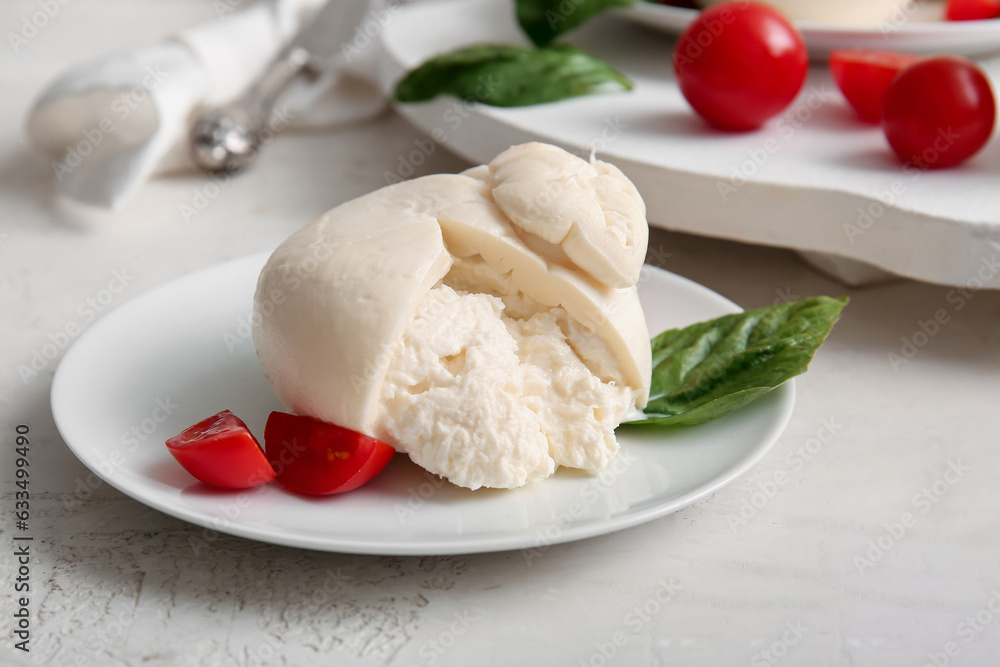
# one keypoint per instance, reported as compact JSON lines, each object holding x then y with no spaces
{"x":920,"y":31}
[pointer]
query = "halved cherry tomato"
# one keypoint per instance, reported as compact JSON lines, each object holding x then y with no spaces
{"x":972,"y":10}
{"x":222,"y":451}
{"x":314,"y":457}
{"x":863,"y":75}
{"x":739,"y":64}
{"x":938,"y":112}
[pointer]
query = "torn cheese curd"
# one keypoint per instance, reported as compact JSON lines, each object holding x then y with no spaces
{"x":497,"y":395}
{"x":474,"y":344}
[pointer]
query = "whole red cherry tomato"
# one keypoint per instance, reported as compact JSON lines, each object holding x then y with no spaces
{"x":938,"y":112}
{"x":222,"y":452}
{"x":863,"y":75}
{"x":312,"y":456}
{"x":739,"y":64}
{"x":972,"y":10}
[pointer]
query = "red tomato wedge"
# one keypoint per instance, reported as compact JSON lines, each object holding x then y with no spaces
{"x":863,"y":75}
{"x":222,"y":451}
{"x":972,"y":10}
{"x":314,"y":457}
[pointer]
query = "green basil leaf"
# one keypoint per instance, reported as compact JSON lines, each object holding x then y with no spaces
{"x":511,"y":76}
{"x":544,"y":20}
{"x":709,"y":369}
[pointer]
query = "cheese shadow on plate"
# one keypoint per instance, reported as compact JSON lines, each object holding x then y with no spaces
{"x":404,"y":481}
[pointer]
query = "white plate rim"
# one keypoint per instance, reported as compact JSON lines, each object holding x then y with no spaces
{"x":919,"y":36}
{"x":682,"y":16}
{"x":61,"y":394}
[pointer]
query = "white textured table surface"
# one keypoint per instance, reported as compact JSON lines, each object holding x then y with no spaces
{"x":816,"y":572}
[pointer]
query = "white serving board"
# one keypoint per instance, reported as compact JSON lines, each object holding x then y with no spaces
{"x":814,"y":180}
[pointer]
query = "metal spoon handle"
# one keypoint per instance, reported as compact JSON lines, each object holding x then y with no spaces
{"x":226,"y":138}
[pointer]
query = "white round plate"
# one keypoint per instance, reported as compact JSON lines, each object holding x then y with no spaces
{"x":182,"y":352}
{"x":919,"y":31}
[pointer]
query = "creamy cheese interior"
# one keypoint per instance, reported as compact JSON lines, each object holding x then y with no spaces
{"x":490,"y":350}
{"x":490,"y":388}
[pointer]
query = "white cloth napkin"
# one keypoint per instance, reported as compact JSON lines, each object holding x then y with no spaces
{"x":110,"y":124}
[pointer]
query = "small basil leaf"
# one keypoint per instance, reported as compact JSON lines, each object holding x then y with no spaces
{"x":709,"y":369}
{"x":511,"y":76}
{"x":544,"y":20}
